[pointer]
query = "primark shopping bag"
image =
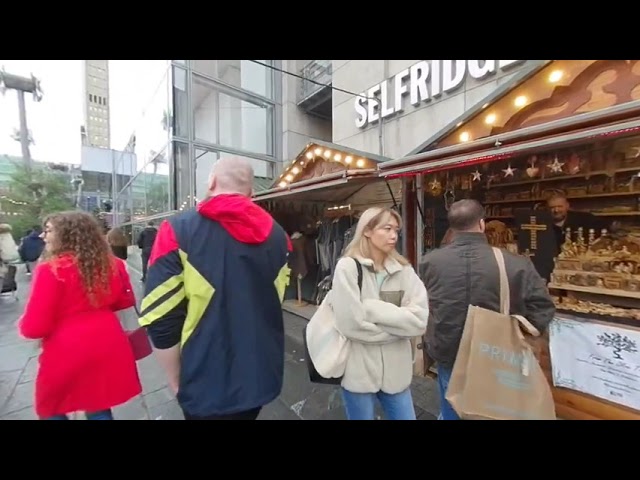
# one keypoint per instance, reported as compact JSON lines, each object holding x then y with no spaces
{"x":496,"y":375}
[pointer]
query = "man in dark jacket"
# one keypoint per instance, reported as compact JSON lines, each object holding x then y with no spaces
{"x":146,"y":239}
{"x":465,"y":273}
{"x":213,"y":303}
{"x":31,"y":247}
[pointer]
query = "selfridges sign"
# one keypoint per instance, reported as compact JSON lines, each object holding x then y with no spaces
{"x":422,"y":82}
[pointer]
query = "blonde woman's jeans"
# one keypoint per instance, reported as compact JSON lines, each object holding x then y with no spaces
{"x":360,"y":406}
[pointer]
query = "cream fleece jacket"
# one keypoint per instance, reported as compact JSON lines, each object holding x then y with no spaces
{"x":381,"y":355}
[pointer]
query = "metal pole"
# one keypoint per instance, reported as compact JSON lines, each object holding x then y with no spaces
{"x":24,"y":132}
{"x":21,"y":85}
{"x":114,"y":191}
{"x":380,"y":137}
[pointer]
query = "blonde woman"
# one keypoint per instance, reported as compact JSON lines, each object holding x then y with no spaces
{"x":380,"y":320}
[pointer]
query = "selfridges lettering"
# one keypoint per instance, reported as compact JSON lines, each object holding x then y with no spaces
{"x":422,"y":82}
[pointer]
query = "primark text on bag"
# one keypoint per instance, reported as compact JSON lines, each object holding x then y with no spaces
{"x":496,"y":375}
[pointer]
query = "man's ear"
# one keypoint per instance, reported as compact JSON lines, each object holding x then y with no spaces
{"x":212,"y":183}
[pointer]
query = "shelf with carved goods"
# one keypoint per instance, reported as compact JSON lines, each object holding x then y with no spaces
{"x":597,"y":214}
{"x":570,"y":197}
{"x":596,"y":290}
{"x":559,"y":178}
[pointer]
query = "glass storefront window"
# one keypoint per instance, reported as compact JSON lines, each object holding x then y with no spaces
{"x":126,"y":166}
{"x":191,"y":113}
{"x":149,"y":190}
{"x":227,"y":120}
{"x":141,"y":108}
{"x":243,"y":74}
{"x":123,"y":206}
{"x":180,"y":104}
{"x":182,"y":174}
{"x":205,"y":159}
{"x":152,"y":133}
{"x":203,"y":162}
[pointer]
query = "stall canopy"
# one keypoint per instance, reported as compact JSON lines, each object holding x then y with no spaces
{"x":562,"y":103}
{"x":324,"y":172}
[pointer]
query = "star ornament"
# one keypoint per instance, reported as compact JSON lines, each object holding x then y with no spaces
{"x":476,"y":176}
{"x":508,"y":172}
{"x":556,"y":166}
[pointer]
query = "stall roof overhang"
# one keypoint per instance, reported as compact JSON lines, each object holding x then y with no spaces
{"x":350,"y":151}
{"x":619,"y":128}
{"x":347,"y":174}
{"x":506,"y":87}
{"x":555,"y":133}
{"x":334,"y":187}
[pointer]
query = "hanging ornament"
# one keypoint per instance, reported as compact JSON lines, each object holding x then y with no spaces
{"x":435,"y":187}
{"x":449,"y":198}
{"x":508,"y":172}
{"x":556,"y":166}
{"x":476,"y":176}
{"x":493,"y":178}
{"x":533,"y":171}
{"x":573,"y":165}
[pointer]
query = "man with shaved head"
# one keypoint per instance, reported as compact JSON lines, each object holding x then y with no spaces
{"x":465,"y":272}
{"x":213,"y":300}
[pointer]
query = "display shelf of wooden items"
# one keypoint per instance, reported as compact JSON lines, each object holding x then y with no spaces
{"x":597,"y":279}
{"x":601,"y":178}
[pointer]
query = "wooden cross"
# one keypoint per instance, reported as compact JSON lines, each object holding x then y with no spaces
{"x":534,"y":228}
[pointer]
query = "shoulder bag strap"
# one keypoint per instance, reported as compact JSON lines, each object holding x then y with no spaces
{"x":505,"y":299}
{"x":359,"y":267}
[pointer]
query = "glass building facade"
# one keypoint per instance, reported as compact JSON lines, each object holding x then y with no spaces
{"x":197,"y":112}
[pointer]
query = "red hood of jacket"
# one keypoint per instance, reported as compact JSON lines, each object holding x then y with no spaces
{"x":240,"y":216}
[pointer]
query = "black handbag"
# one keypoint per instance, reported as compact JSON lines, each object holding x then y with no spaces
{"x":314,"y":376}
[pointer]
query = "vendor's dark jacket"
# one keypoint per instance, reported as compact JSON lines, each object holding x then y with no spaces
{"x":465,"y":273}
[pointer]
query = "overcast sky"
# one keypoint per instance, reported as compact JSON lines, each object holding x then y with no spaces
{"x":55,"y":121}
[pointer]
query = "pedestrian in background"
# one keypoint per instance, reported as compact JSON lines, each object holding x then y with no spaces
{"x":86,"y":363}
{"x":118,"y":242}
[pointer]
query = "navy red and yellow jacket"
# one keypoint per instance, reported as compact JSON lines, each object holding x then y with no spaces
{"x":215,"y":285}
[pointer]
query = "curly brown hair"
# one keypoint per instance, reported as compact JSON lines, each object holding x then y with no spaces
{"x":79,"y":234}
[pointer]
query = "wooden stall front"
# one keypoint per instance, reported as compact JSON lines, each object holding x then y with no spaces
{"x":571,"y":128}
{"x":317,"y":199}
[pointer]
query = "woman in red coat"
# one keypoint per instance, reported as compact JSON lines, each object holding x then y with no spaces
{"x":86,"y":362}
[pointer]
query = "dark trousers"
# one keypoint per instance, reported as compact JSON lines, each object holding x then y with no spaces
{"x":446,"y":410}
{"x":145,"y":262}
{"x":246,"y":415}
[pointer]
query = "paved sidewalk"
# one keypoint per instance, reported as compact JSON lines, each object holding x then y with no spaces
{"x":299,"y":399}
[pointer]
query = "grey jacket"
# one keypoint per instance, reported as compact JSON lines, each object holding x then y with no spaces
{"x":465,"y":273}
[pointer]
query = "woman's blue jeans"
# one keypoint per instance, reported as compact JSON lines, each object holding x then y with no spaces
{"x":397,"y":406}
{"x":101,"y":415}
